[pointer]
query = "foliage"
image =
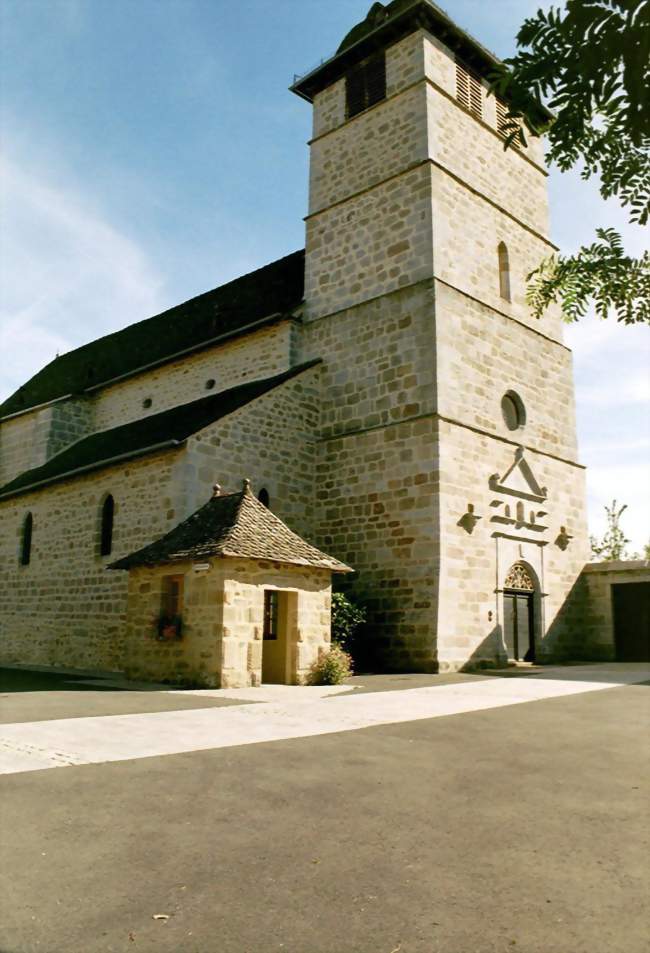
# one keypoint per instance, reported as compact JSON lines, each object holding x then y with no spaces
{"x":346,"y":619}
{"x":590,"y":62}
{"x":600,"y":273}
{"x":331,"y":668}
{"x":613,"y":545}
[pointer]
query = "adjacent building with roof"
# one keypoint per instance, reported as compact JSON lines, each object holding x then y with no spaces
{"x":387,"y":390}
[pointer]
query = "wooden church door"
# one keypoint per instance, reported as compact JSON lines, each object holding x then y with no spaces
{"x":518,"y":615}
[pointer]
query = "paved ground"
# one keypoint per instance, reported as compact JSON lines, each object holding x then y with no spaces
{"x":522,"y":826}
{"x":39,"y":696}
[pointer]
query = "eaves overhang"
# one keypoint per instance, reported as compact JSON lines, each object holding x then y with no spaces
{"x":414,"y":15}
{"x":408,"y":17}
{"x":95,"y":465}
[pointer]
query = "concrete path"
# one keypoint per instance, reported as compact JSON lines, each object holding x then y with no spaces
{"x":33,"y":746}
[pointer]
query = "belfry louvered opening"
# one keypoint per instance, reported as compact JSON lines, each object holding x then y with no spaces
{"x":365,"y":85}
{"x":469,"y":91}
{"x":506,"y":126}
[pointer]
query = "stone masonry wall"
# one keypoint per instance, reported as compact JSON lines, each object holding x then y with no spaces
{"x":595,"y":605}
{"x":65,"y":608}
{"x":32,"y":438}
{"x":473,"y":565}
{"x":20,"y":437}
{"x":70,"y":420}
{"x":243,"y":616}
{"x":271,"y":442}
{"x":466,"y":234}
{"x":481,"y":354}
{"x":260,"y":354}
{"x":473,"y":150}
{"x":379,"y":239}
{"x":223,"y":619}
{"x":377,"y":463}
{"x":195,"y":659}
{"x":372,"y":245}
{"x":366,"y":151}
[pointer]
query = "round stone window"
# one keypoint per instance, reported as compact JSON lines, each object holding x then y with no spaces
{"x":513,"y":410}
{"x":209,"y":384}
{"x":147,"y":402}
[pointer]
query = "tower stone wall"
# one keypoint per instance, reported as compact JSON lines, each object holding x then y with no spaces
{"x":409,"y":203}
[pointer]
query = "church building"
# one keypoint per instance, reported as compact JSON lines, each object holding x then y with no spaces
{"x":387,"y":391}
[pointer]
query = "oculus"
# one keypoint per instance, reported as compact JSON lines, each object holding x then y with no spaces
{"x":513,"y":411}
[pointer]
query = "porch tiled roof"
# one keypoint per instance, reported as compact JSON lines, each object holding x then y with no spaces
{"x":235,"y":524}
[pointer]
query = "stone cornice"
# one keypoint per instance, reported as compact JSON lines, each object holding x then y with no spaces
{"x":433,"y":415}
{"x":453,"y":175}
{"x":431,"y":280}
{"x":443,"y":92}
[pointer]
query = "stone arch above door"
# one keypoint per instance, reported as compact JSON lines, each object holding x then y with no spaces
{"x":519,"y":578}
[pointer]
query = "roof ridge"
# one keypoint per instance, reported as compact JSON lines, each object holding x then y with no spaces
{"x":233,"y":308}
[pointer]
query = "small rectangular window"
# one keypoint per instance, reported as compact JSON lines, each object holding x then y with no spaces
{"x":172,"y":596}
{"x":469,"y":90}
{"x":271,"y":604}
{"x":365,"y":85}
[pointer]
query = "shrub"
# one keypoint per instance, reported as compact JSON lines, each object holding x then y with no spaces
{"x":330,"y":668}
{"x":346,"y":619}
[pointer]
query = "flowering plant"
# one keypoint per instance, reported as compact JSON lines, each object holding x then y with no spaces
{"x":169,"y":628}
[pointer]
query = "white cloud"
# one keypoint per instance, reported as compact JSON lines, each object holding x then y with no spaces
{"x":68,"y":273}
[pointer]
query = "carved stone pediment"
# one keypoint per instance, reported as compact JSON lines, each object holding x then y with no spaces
{"x":519,"y":481}
{"x":520,"y":496}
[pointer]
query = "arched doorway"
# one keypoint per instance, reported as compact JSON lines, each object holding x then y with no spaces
{"x":519,"y":614}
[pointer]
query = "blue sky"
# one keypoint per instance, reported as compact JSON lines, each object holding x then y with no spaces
{"x":151,"y":151}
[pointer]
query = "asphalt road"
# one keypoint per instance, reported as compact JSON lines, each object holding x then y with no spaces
{"x":514,"y":829}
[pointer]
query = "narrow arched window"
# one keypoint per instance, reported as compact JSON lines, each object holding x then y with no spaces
{"x":263,"y":497}
{"x":504,"y":272}
{"x":520,"y":513}
{"x":106,"y":538}
{"x":26,"y":540}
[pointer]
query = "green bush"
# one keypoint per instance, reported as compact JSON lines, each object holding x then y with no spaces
{"x":346,"y":619}
{"x":331,"y":668}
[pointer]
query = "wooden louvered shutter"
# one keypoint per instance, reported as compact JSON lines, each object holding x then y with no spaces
{"x":475,"y":96}
{"x":462,"y":86}
{"x":355,"y":92}
{"x":469,"y":91}
{"x":504,"y":125}
{"x":375,"y":70}
{"x":502,"y":122}
{"x":365,"y":85}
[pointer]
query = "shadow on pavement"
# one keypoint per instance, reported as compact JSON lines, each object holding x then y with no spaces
{"x":23,"y":680}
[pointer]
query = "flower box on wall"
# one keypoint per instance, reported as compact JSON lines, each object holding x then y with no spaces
{"x":169,"y":628}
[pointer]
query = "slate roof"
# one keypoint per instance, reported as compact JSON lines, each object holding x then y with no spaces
{"x":168,"y":429}
{"x":268,"y":293}
{"x":235,"y":524}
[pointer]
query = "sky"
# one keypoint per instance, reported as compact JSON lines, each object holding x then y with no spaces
{"x":150,"y":151}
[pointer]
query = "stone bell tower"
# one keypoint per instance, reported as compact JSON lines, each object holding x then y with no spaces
{"x":448,"y":454}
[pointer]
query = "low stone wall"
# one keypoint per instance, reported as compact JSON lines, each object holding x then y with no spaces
{"x":597,"y":607}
